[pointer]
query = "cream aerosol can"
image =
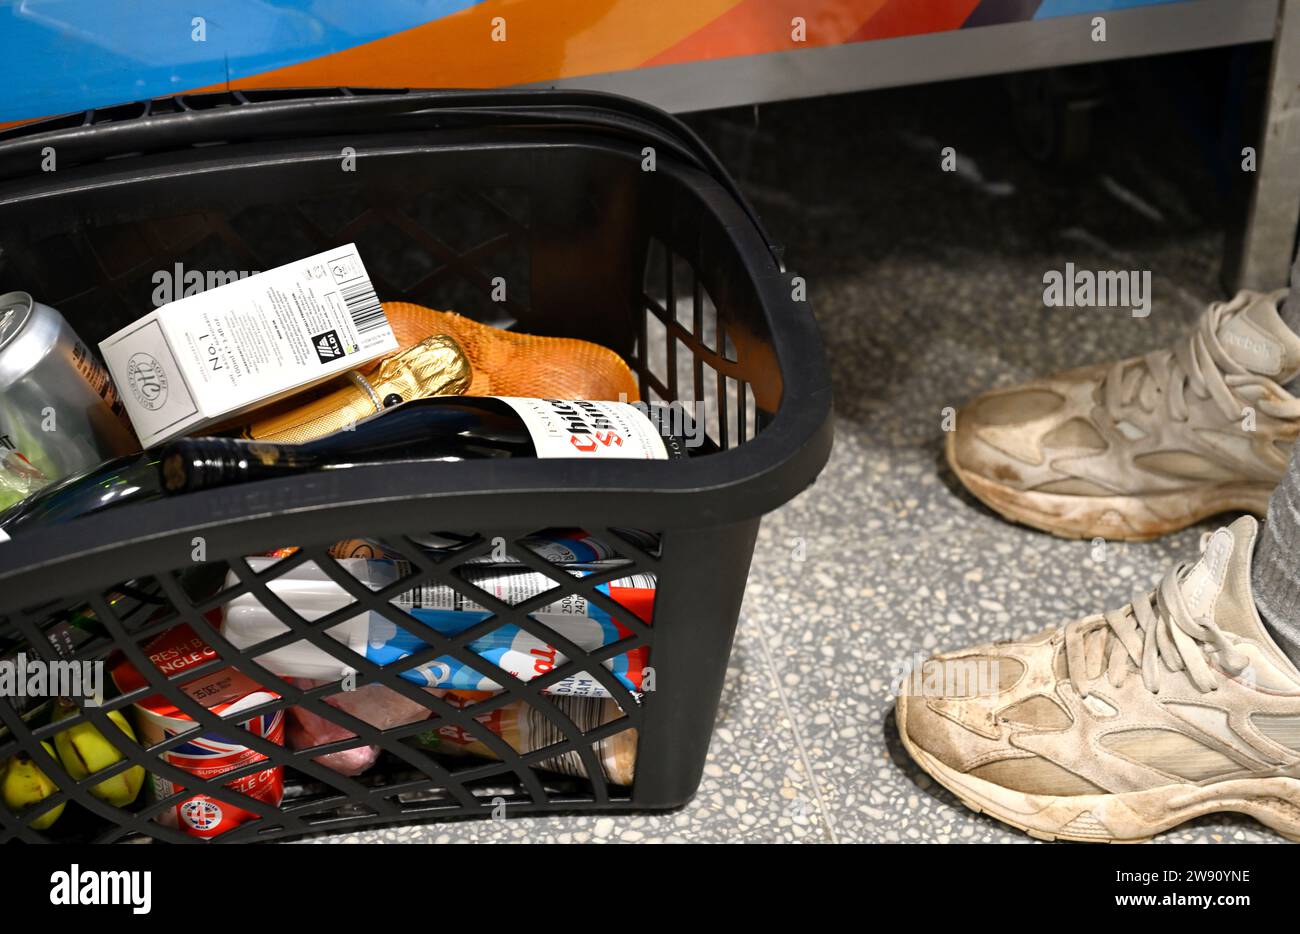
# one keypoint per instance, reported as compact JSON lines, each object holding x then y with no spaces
{"x":59,"y":413}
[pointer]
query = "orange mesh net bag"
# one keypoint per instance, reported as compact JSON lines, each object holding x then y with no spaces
{"x":510,"y":364}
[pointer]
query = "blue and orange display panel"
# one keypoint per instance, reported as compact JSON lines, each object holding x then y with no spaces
{"x":58,"y":56}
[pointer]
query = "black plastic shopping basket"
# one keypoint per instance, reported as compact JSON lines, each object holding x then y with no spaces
{"x":607,"y":220}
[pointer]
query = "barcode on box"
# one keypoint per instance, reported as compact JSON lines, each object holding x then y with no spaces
{"x":363,"y":307}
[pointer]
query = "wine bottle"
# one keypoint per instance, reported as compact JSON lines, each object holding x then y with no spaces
{"x":125,"y":479}
{"x":440,"y":428}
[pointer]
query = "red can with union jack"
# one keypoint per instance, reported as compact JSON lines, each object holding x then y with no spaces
{"x":206,"y":754}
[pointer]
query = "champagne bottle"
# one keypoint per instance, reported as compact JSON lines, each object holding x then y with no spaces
{"x":440,"y":428}
{"x":446,"y":428}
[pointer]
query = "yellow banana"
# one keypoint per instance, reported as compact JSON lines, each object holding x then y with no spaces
{"x":25,"y":784}
{"x":84,"y":750}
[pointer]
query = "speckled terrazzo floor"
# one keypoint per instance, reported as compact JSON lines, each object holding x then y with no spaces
{"x":928,"y":287}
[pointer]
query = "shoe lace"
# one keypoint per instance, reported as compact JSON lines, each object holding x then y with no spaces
{"x":1154,"y":634}
{"x":1200,"y":365}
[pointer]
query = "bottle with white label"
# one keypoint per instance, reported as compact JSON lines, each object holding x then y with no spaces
{"x":441,"y":428}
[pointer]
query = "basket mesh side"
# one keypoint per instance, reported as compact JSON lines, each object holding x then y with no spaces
{"x":566,"y":764}
{"x":686,"y":353}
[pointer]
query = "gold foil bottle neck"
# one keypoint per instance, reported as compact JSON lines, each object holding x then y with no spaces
{"x":436,"y":366}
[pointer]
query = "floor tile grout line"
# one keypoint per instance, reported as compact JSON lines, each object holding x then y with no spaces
{"x":800,"y":745}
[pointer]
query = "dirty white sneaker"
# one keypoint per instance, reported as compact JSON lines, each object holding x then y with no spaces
{"x":1119,"y":726}
{"x":1146,"y":446}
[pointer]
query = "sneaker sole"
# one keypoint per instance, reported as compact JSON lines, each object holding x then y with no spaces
{"x":1128,"y":817}
{"x":1116,"y":518}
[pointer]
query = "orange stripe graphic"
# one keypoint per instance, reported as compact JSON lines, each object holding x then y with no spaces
{"x":544,"y":40}
{"x":908,"y":18}
{"x":758,"y":26}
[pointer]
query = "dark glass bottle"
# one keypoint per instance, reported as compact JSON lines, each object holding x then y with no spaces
{"x":441,"y":428}
{"x":126,"y":479}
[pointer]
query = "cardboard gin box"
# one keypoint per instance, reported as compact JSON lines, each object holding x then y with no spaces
{"x":206,"y":357}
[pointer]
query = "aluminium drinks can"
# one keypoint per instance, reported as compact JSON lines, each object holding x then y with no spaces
{"x":227,"y":692}
{"x":59,"y":412}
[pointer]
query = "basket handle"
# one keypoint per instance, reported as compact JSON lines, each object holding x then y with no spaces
{"x":187,"y":120}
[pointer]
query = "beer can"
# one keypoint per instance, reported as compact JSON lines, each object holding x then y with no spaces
{"x":59,"y":412}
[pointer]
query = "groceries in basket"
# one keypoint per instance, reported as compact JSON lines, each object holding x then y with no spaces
{"x":435,"y":429}
{"x":216,"y":354}
{"x":445,"y":354}
{"x":82,"y":750}
{"x":310,"y":592}
{"x":375,"y":704}
{"x":226,"y":692}
{"x":67,"y":632}
{"x":435,"y":366}
{"x":522,"y":726}
{"x":19,"y":477}
{"x":293,"y":371}
{"x":527,"y":729}
{"x":125,"y":480}
{"x":450,"y":428}
{"x":24,"y":784}
{"x":296,"y":369}
{"x":59,"y":413}
{"x":507,"y":363}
